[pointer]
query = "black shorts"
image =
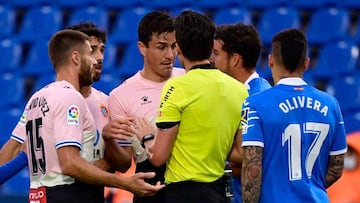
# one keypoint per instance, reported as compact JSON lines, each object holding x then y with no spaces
{"x":195,"y":192}
{"x":146,"y":166}
{"x":75,"y":193}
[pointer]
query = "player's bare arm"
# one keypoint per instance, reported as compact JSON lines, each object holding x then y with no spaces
{"x":10,"y":149}
{"x":118,"y":158}
{"x":335,"y":169}
{"x":251,"y":173}
{"x":235,"y":154}
{"x":73,"y":165}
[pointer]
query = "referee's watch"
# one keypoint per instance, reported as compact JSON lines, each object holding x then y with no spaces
{"x":147,"y":138}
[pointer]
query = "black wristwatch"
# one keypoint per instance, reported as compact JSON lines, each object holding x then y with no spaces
{"x":147,"y":138}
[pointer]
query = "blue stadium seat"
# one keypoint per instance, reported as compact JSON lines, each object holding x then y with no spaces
{"x":213,"y":4}
{"x":42,"y":81}
{"x":110,"y":57}
{"x":350,"y":4}
{"x":7,"y":21}
{"x":313,"y":5}
{"x":9,"y":117}
{"x":166,"y":4}
{"x":328,"y":24}
{"x":285,"y":17}
{"x":95,"y":14}
{"x":126,"y":24}
{"x":116,"y":4}
{"x":261,"y":4}
{"x":40,"y":23}
{"x":336,"y":59}
{"x":37,"y":62}
{"x":18,"y":185}
{"x":356,"y":34}
{"x":131,"y":61}
{"x":11,"y":54}
{"x":107,"y":82}
{"x":232,"y":15}
{"x":347,"y":91}
{"x":74,"y":4}
{"x":176,"y":11}
{"x":12,"y":93}
{"x":28,"y":4}
{"x":352,"y":120}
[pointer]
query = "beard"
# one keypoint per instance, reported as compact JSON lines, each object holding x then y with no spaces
{"x":85,"y":75}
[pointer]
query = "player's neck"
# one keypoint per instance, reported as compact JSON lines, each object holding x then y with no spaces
{"x":64,"y":74}
{"x":85,"y":91}
{"x":189,"y":64}
{"x":152,"y":76}
{"x":241,"y":74}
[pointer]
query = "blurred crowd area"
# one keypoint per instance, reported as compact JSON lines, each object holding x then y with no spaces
{"x":331,"y":26}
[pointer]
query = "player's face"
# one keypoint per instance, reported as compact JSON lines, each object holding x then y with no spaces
{"x":98,"y":48}
{"x":159,"y":57}
{"x":220,"y":58}
{"x":87,"y":66}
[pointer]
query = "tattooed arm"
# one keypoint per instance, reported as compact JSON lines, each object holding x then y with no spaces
{"x":251,"y":173}
{"x":334,"y":169}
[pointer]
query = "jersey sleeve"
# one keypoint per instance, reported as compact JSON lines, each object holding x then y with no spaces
{"x":171,"y":103}
{"x":69,"y":120}
{"x":19,"y":132}
{"x":117,"y":108}
{"x":251,"y":126}
{"x":339,"y":145}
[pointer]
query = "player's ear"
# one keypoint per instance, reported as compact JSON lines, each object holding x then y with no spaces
{"x":75,"y":57}
{"x":236,"y":60}
{"x":307,"y":63}
{"x":141,"y":47}
{"x":270,"y":61}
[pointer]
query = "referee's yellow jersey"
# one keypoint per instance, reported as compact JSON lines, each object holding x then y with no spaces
{"x":207,"y":103}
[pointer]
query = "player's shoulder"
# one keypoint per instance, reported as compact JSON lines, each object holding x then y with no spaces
{"x":126,"y":84}
{"x":98,"y":93}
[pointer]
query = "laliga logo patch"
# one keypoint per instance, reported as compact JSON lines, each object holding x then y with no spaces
{"x":104,"y":110}
{"x":244,"y":120}
{"x":22,"y":120}
{"x":73,"y":115}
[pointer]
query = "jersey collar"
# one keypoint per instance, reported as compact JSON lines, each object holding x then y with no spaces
{"x":292,"y":81}
{"x":203,"y":66}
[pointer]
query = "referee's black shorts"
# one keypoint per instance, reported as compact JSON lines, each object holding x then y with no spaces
{"x":195,"y":192}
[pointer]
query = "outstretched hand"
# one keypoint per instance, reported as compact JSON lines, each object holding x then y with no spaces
{"x":119,"y":128}
{"x":138,"y":185}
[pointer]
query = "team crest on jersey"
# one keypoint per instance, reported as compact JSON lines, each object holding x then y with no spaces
{"x":244,"y":119}
{"x":104,"y":110}
{"x":145,"y":100}
{"x":73,"y":115}
{"x":22,"y":120}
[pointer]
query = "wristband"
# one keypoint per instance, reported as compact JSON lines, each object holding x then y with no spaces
{"x":147,"y":138}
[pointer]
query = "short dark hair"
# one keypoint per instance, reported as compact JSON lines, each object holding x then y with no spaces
{"x":289,"y":47}
{"x":194,"y":34}
{"x":154,"y":22}
{"x":63,"y":43}
{"x":241,"y":39}
{"x":90,"y":29}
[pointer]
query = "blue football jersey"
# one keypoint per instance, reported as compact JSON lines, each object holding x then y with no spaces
{"x":299,"y":127}
{"x":256,"y":85}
